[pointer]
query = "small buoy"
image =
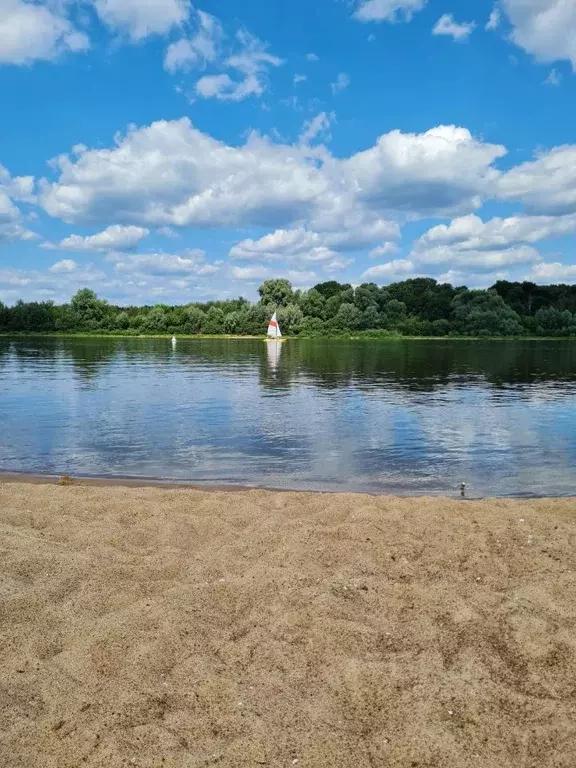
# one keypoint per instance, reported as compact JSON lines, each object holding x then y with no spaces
{"x":462,"y":489}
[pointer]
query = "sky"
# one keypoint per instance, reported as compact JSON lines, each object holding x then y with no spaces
{"x":162,"y":152}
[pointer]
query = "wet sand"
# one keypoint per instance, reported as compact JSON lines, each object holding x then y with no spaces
{"x":178,"y":628}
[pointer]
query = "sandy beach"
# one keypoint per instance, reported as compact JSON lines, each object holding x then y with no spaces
{"x":175,"y":628}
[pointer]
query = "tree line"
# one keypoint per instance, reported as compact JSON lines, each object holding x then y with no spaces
{"x":414,"y":307}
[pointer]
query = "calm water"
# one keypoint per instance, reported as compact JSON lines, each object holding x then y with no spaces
{"x":401,"y":416}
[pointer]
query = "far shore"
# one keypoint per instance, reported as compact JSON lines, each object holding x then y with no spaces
{"x":172,"y":627}
{"x":361,"y":336}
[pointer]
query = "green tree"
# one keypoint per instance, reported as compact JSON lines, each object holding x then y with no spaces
{"x":290,"y":319}
{"x":193,"y":320}
{"x":366,"y":295}
{"x":331,"y":288}
{"x":313,"y":304}
{"x":555,"y":322}
{"x":484,"y":313}
{"x":88,"y":311}
{"x":156,"y":320}
{"x":277,"y":292}
{"x":348,"y":317}
{"x":213,"y":321}
{"x":370,"y":318}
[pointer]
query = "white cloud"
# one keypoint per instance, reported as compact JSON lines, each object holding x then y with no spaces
{"x":446,"y":25}
{"x":64,"y":266}
{"x":141,"y":18}
{"x":554,"y":78}
{"x":336,"y":265}
{"x":299,"y":79}
{"x":30,"y":32}
{"x":341,"y":83}
{"x":114,"y":238}
{"x":544,"y":28}
{"x":478,"y":260}
{"x":301,"y":277}
{"x":295,"y":245}
{"x":443,"y":169}
{"x":469,"y":233}
{"x":251,"y":61}
{"x":391,"y":269}
{"x":307,"y":246}
{"x":546,"y":184}
{"x":250,"y":273}
{"x":312,"y":57}
{"x":457,"y":278}
{"x":386,"y":249}
{"x":19,"y":188}
{"x":495,"y":19}
{"x":190,"y":262}
{"x":200,"y":49}
{"x":553,"y":272}
{"x":171,"y":174}
{"x":318,"y":126}
{"x":388,"y":10}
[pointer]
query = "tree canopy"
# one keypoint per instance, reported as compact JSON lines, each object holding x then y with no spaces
{"x":416,"y":307}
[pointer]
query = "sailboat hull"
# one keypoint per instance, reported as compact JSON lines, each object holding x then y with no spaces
{"x":276,"y":341}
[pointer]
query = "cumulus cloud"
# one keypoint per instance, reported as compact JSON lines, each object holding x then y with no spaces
{"x":198,"y":50}
{"x":445,"y":168}
{"x":472,"y":279}
{"x":470,"y":233}
{"x":386,"y":249}
{"x":64,"y":266}
{"x":395,"y":269}
{"x":251,"y":273}
{"x":544,"y":28}
{"x":169,"y":173}
{"x":14,"y":188}
{"x":553,"y":272}
{"x":487,"y":259}
{"x":114,"y":238}
{"x":308,"y":246}
{"x":546,"y":184}
{"x":190,"y":262}
{"x":30,"y":32}
{"x":388,"y":10}
{"x":446,"y":25}
{"x":139,"y":19}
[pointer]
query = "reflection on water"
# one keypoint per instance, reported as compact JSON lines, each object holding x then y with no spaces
{"x":397,"y":416}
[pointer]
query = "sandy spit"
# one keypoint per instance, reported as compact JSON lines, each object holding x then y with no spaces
{"x":178,"y":628}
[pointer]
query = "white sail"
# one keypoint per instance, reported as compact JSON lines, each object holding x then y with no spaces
{"x":274,"y":328}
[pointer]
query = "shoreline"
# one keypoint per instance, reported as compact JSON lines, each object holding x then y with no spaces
{"x":362,"y":336}
{"x":175,"y":627}
{"x":214,"y":486}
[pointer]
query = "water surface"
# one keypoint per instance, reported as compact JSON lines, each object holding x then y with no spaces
{"x":383,"y":416}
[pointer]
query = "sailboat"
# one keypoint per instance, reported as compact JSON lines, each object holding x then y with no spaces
{"x":274,"y":333}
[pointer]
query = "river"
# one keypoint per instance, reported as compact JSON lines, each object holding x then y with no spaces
{"x":405,"y":416}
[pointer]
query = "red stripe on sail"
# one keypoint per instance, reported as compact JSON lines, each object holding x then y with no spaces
{"x":273,"y":323}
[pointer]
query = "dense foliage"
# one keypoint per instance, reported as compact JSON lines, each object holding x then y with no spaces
{"x":417,"y":307}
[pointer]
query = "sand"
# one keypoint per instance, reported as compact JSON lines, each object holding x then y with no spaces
{"x":169,"y":628}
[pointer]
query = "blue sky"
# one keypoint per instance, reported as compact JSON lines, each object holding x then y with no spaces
{"x":163,"y":152}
